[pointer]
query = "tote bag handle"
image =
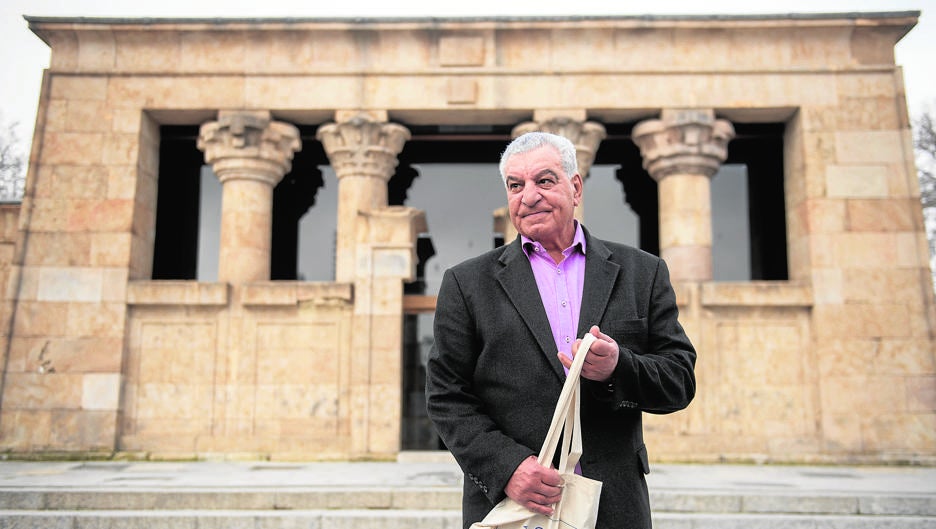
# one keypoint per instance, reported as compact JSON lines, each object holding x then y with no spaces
{"x":567,"y":408}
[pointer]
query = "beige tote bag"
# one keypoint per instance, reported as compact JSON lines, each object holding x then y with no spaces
{"x":578,"y":508}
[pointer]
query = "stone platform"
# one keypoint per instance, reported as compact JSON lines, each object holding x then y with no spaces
{"x":416,"y":494}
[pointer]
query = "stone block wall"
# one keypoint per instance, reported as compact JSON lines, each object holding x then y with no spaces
{"x":857,"y":224}
{"x":65,"y":340}
{"x":254,"y":370}
{"x":836,"y":364}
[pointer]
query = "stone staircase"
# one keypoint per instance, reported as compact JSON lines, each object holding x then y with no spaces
{"x":437,"y":507}
{"x":418,"y":498}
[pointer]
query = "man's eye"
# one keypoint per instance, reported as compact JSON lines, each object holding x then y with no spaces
{"x":546,"y":182}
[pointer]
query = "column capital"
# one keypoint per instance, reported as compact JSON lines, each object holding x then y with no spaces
{"x":683,"y":141}
{"x":249,"y":145}
{"x":585,"y":135}
{"x":363,"y":146}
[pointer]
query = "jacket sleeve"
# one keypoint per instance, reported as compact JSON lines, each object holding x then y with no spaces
{"x":486,"y":455}
{"x":659,"y":375}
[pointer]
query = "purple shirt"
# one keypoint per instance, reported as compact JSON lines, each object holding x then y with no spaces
{"x":560,"y":287}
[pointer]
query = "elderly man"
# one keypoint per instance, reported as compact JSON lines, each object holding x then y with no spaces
{"x":506,"y":325}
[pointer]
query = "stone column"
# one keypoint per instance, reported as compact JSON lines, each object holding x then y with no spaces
{"x":572,"y":124}
{"x":250,"y":154}
{"x":681,"y":151}
{"x":363,"y":149}
{"x":386,"y":260}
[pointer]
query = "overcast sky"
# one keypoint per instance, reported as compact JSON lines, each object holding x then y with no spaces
{"x":24,"y":56}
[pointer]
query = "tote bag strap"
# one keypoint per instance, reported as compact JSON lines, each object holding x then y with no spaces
{"x":567,"y":398}
{"x":572,"y":435}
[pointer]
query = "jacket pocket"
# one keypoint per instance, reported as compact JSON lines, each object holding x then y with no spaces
{"x":638,"y":326}
{"x":631,"y":334}
{"x":644,"y":460}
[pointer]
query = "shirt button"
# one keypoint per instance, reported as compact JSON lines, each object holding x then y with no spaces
{"x":564,"y":303}
{"x":567,"y":339}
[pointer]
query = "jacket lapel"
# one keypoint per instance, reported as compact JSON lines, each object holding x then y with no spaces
{"x":600,"y":276}
{"x":516,"y":278}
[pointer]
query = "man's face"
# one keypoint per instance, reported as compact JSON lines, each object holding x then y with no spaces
{"x":541,"y":199}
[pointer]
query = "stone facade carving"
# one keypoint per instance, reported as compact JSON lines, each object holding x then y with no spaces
{"x":681,"y":151}
{"x":363,"y":151}
{"x":683,"y":141}
{"x":250,"y":154}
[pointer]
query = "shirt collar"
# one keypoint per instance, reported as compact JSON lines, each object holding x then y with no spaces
{"x":578,"y":242}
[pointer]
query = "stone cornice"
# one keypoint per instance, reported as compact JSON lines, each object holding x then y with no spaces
{"x":897,"y":17}
{"x":465,"y":48}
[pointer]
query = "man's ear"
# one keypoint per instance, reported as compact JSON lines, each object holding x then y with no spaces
{"x":577,"y":187}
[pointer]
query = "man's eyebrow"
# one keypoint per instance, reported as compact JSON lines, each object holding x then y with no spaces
{"x":547,"y":171}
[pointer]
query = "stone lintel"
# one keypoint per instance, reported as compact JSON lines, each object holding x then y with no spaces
{"x":153,"y":293}
{"x":575,"y":114}
{"x":290,"y":293}
{"x":756,"y":293}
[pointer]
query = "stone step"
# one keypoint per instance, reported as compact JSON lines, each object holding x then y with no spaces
{"x":788,"y":521}
{"x":228,"y":499}
{"x":766,"y":502}
{"x":445,"y":498}
{"x":412,"y":519}
{"x":233,"y":519}
{"x":412,"y":495}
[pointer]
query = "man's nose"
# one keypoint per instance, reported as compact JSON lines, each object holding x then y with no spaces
{"x":531,"y":196}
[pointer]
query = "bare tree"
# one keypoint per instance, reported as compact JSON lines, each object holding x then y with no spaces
{"x":12,"y":163}
{"x":924,"y":141}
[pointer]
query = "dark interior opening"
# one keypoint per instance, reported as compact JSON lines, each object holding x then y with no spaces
{"x":175,"y":255}
{"x":175,"y":251}
{"x":638,"y":188}
{"x":292,"y":198}
{"x":759,"y":146}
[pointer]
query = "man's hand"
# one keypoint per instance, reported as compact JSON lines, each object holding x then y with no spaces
{"x":535,"y":487}
{"x":601,"y":360}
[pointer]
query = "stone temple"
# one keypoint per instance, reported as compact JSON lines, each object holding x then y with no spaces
{"x":233,"y":230}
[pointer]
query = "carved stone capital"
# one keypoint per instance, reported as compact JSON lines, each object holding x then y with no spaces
{"x":362,"y":146}
{"x":249,"y":145}
{"x":687,"y":141}
{"x":585,"y":135}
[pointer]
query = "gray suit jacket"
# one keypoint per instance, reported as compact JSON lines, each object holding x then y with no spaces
{"x":493,"y":378}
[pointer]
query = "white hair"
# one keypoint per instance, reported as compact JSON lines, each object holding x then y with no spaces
{"x":534,"y":140}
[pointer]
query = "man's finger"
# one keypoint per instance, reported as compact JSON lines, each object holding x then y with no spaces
{"x":565,"y":361}
{"x":543,"y":499}
{"x":546,"y":510}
